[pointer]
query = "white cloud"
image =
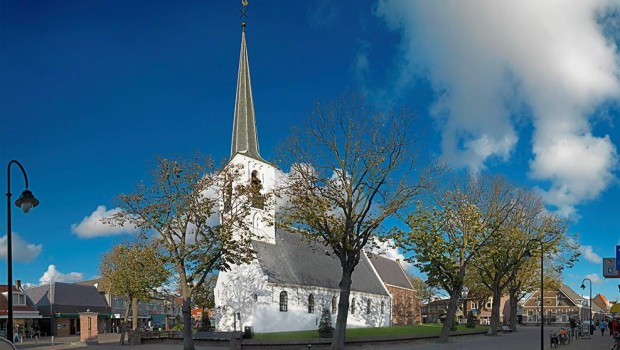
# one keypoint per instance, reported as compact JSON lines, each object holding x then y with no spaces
{"x":594,"y":278}
{"x":590,"y":255}
{"x":92,"y":226}
{"x":388,"y":250}
{"x":489,"y":61}
{"x":54,"y":275}
{"x":22,"y":250}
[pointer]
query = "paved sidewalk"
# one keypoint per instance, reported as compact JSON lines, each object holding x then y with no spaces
{"x":526,"y":338}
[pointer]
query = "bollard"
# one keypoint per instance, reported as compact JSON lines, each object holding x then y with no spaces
{"x":52,"y":340}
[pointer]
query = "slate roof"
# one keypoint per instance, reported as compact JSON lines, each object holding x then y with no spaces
{"x":390,"y":271}
{"x":67,"y":297}
{"x":294,"y":261}
{"x":244,"y":136}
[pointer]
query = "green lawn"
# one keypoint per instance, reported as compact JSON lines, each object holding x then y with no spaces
{"x":422,"y":329}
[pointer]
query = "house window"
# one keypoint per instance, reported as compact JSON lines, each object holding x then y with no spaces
{"x":353,"y":306}
{"x":334,"y":304}
{"x":19,"y":299}
{"x":283,"y":301}
{"x":311,"y":303}
{"x":382,"y":307}
{"x":368,"y":307}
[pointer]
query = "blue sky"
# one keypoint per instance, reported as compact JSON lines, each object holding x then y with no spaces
{"x":92,"y":91}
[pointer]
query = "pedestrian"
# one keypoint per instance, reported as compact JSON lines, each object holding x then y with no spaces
{"x":602,"y":325}
{"x":610,"y":324}
{"x":573,"y":325}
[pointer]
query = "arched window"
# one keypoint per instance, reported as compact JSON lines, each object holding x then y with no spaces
{"x":311,"y":303}
{"x":353,"y":306}
{"x":382,"y":307}
{"x":283,"y":301}
{"x":334,"y":304}
{"x":228,"y":192}
{"x":258,"y":201}
{"x":368,"y":306}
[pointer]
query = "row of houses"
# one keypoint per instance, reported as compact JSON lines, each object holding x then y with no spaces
{"x":53,"y":309}
{"x":560,"y":305}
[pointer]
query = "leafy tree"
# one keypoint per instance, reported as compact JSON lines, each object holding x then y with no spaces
{"x":424,"y":292}
{"x":132,"y":272}
{"x":349,"y":173}
{"x":204,"y":298}
{"x":178,"y":210}
{"x":446,"y":234}
{"x":530,"y":222}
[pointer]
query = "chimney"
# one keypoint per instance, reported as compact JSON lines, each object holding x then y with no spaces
{"x":18,"y":284}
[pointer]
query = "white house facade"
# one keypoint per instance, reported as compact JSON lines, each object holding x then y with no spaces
{"x":291,"y":281}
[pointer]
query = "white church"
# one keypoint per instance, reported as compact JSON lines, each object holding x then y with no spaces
{"x":290,"y":282}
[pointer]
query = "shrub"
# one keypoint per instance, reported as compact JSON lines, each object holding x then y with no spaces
{"x":325,"y":325}
{"x":471,"y":320}
{"x":455,"y":324}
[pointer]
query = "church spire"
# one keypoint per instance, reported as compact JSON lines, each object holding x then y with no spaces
{"x":244,"y":136}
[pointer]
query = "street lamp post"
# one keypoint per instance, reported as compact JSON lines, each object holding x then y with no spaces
{"x":583,"y":286}
{"x":542,"y":293}
{"x":26,"y":201}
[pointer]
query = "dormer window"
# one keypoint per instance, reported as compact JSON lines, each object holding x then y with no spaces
{"x":19,"y":299}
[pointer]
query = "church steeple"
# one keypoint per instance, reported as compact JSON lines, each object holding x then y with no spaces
{"x":244,"y":135}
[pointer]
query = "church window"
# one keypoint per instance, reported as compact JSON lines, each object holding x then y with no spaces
{"x":334,"y":304}
{"x":382,"y":307}
{"x":228,"y":192}
{"x":258,"y":201}
{"x":283,"y":301}
{"x":353,"y":306}
{"x":311,"y":303}
{"x":368,"y":306}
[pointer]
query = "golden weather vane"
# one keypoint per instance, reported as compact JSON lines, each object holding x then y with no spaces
{"x":244,"y":4}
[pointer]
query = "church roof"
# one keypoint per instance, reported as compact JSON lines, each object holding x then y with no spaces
{"x":244,"y":135}
{"x":293,"y":260}
{"x":390,"y":271}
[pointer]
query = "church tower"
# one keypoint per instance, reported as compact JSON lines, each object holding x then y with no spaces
{"x":244,"y":151}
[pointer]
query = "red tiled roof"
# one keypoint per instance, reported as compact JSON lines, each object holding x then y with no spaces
{"x":4,"y":303}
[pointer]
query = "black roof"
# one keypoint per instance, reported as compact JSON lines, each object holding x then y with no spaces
{"x":68,"y":294}
{"x":295,"y":261}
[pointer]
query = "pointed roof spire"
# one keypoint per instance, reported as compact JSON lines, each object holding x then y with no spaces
{"x":244,"y":136}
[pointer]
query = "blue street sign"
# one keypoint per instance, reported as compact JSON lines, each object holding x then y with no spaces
{"x":618,"y":257}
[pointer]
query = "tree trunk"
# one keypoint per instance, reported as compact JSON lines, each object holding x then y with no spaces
{"x":134,"y":313}
{"x":454,"y":298}
{"x":343,"y":310}
{"x":124,"y":324}
{"x":513,"y":310}
{"x":188,"y":340}
{"x":495,"y":311}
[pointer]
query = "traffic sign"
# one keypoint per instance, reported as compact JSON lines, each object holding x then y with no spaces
{"x":618,"y":257}
{"x":610,"y":269}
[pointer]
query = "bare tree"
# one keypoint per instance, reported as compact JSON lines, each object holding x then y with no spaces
{"x":179,"y":211}
{"x":351,"y":169}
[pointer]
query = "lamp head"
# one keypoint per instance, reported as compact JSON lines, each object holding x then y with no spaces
{"x":527,"y":254}
{"x":583,"y":286}
{"x":26,"y":201}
